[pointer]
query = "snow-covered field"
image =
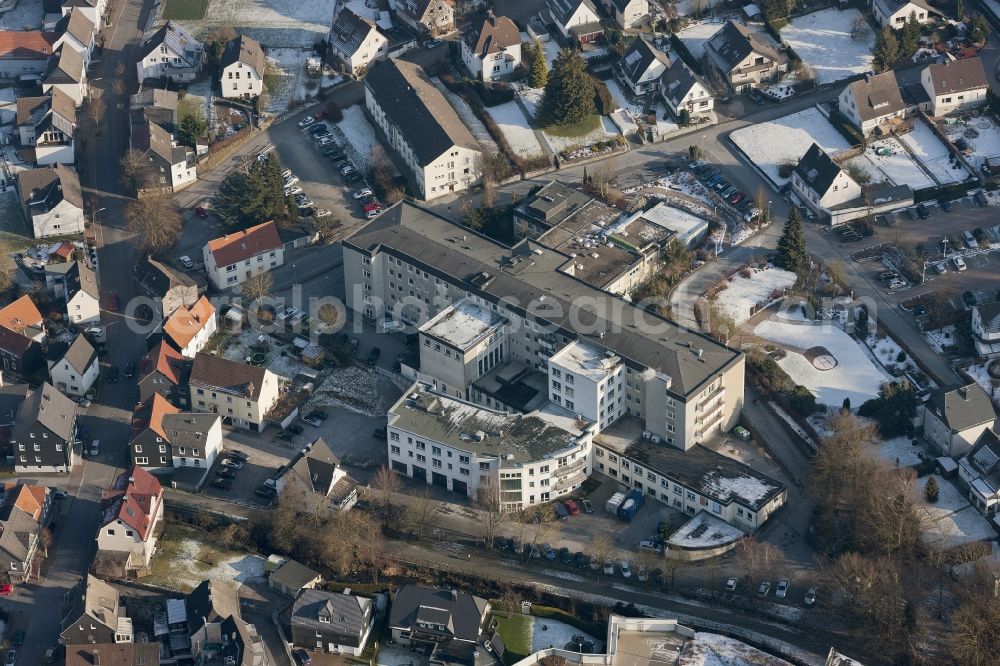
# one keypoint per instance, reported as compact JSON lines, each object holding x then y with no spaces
{"x":358,"y":134}
{"x":695,"y":35}
{"x":742,"y":293}
{"x":786,"y":140}
{"x":26,"y":15}
{"x":290,"y":84}
{"x":951,"y":520}
{"x":189,"y":570}
{"x":941,"y":338}
{"x":900,"y":452}
{"x":515,"y":127}
{"x":855,"y":376}
{"x":933,"y":154}
{"x":274,"y":23}
{"x":985,"y":144}
{"x":605,"y":129}
{"x":464,"y":111}
{"x":716,"y":650}
{"x":280,"y":364}
{"x":352,"y":388}
{"x":887,"y":351}
{"x":823,"y":41}
{"x":897,"y":166}
{"x":546,"y":633}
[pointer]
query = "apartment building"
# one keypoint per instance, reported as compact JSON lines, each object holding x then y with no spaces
{"x":233,"y":258}
{"x":239,"y":392}
{"x":422,"y":128}
{"x":588,"y":381}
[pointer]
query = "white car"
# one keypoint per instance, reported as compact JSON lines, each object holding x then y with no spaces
{"x":323,"y":212}
{"x":286,"y":173}
{"x":363,"y":192}
{"x":626,"y":570}
{"x":782,"y":588}
{"x":291,"y":181}
{"x":325,"y":141}
{"x":306,"y":122}
{"x":731,"y":585}
{"x":294,"y":189}
{"x":186,"y":261}
{"x":609,"y":568}
{"x":349,"y":169}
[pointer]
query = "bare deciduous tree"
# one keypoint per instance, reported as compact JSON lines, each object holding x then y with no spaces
{"x":602,"y":547}
{"x":386,"y":483}
{"x":119,"y":87}
{"x":95,"y":111}
{"x":137,"y":172}
{"x":257,"y":286}
{"x":154,"y":221}
{"x":490,"y":507}
{"x":420,"y":512}
{"x":761,"y":560}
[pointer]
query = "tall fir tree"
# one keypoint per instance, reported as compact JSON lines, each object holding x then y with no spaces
{"x":910,"y":36}
{"x":569,"y":91}
{"x":538,"y":75}
{"x":886,"y":49}
{"x":792,"y":255}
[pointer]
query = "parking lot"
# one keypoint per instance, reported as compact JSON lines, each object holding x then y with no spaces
{"x":265,"y":459}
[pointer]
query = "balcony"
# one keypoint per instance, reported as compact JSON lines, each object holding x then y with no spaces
{"x":701,"y":406}
{"x":568,"y":482}
{"x":570,"y":468}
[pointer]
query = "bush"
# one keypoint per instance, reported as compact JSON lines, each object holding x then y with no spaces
{"x":603,"y":100}
{"x":493,"y":95}
{"x":802,"y":401}
{"x":931,"y":489}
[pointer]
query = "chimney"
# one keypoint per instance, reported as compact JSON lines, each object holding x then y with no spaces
{"x":964,"y":392}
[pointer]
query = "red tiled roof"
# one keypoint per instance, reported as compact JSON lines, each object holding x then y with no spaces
{"x":26,"y":44}
{"x":20,"y":314}
{"x":134,"y":500}
{"x":30,"y":499}
{"x":184,"y":324}
{"x":233,"y":248}
{"x":149,"y":416}
{"x":163,"y":359}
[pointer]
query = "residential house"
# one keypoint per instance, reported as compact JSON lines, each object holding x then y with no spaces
{"x":66,"y":71}
{"x":641,"y":66}
{"x":986,"y":329}
{"x":148,"y":441}
{"x":427,"y":17}
{"x":979,"y":470}
{"x":577,"y":20}
{"x":189,"y":329}
{"x":821,"y":183}
{"x":46,"y":127}
{"x":743,"y":57}
{"x":94,"y":9}
{"x":291,"y":577}
{"x":171,"y":288}
{"x":164,"y":438}
{"x":337,"y":623}
{"x":170,"y":53}
{"x":872,"y":101}
{"x":24,"y":54}
{"x":173,"y":166}
{"x":683,"y":90}
{"x":356,"y":42}
{"x":165,"y":371}
{"x":215,"y":626}
{"x":43,"y":433}
{"x":59,"y":275}
{"x":22,"y":316}
{"x":132,"y":515}
{"x":156,"y":105}
{"x":109,"y":654}
{"x":51,"y":200}
{"x":23,"y":514}
{"x":956,"y":416}
{"x":494,"y":51}
{"x":895,"y":13}
{"x":242,"y":68}
{"x":422,"y":128}
{"x":19,"y":354}
{"x":317,"y":470}
{"x":73,"y":367}
{"x":233,"y":258}
{"x":438,"y":620}
{"x":83,"y":300}
{"x":100,"y":619}
{"x":239,"y":392}
{"x":627,"y":13}
{"x":955,"y":85}
{"x":78,"y":30}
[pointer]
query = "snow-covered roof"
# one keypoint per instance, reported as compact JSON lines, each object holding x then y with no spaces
{"x":586,"y":361}
{"x":463,"y":324}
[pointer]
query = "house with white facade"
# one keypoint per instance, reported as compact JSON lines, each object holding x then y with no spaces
{"x":334,"y":623}
{"x":46,"y":128}
{"x":318,"y":473}
{"x":821,"y":183}
{"x":627,"y":13}
{"x":66,"y":71}
{"x":189,"y":329}
{"x":132,"y":513}
{"x":422,"y":128}
{"x":589,"y":382}
{"x":83,"y":299}
{"x":43,"y":433}
{"x":873,"y":101}
{"x":427,"y":17}
{"x":744,"y":57}
{"x":240,"y":393}
{"x":24,"y":54}
{"x":93,"y":9}
{"x":979,"y":470}
{"x":955,"y":417}
{"x":683,"y":90}
{"x":24,"y":513}
{"x":99,"y":619}
{"x":895,"y":13}
{"x":233,"y":258}
{"x":242,"y":68}
{"x":73,"y":367}
{"x":172,"y":166}
{"x":170,"y":53}
{"x":577,"y":20}
{"x":494,"y":51}
{"x":164,"y":438}
{"x":986,"y":329}
{"x":356,"y":42}
{"x":78,"y":30}
{"x":51,"y":200}
{"x":641,"y":66}
{"x":955,"y":85}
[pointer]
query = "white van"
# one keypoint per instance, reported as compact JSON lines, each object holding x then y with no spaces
{"x":970,"y":240}
{"x":958,"y":263}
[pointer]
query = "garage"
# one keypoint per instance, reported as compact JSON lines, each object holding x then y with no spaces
{"x":420,"y":474}
{"x":460,"y":487}
{"x":439,"y":479}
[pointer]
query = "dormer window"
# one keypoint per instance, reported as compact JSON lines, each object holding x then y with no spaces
{"x":324,"y":619}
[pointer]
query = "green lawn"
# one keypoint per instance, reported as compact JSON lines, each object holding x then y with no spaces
{"x":516,"y":634}
{"x":581,"y":128}
{"x":185,"y":9}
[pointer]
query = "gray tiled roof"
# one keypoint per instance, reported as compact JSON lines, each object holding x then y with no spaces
{"x":877,"y":95}
{"x":349,"y":31}
{"x":421,"y":112}
{"x":639,"y":57}
{"x":348,"y":614}
{"x":984,"y":458}
{"x":246,"y":50}
{"x":51,"y":185}
{"x":65,"y":66}
{"x":678,"y":81}
{"x":50,"y":408}
{"x":461,"y":613}
{"x":293,"y":576}
{"x":734,"y":42}
{"x":817,"y":169}
{"x":890,"y":7}
{"x":958,"y":76}
{"x":177,"y":40}
{"x":989,"y":314}
{"x":962,"y":407}
{"x":80,"y":354}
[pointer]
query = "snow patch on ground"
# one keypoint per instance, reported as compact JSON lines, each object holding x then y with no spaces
{"x":941,"y":338}
{"x":985,"y":144}
{"x":855,"y":376}
{"x":352,"y":388}
{"x":695,"y":35}
{"x":359,"y":136}
{"x":619,"y":97}
{"x":289,"y":84}
{"x":190,"y":571}
{"x":546,"y":633}
{"x":532,"y":98}
{"x":900,"y":452}
{"x":951,"y":520}
{"x":511,"y":120}
{"x":786,"y":140}
{"x":823,"y":41}
{"x":895,"y":166}
{"x":464,"y":111}
{"x":887,"y":351}
{"x":242,"y":347}
{"x":980,"y":374}
{"x":933,"y":154}
{"x":743,"y":293}
{"x":273,"y":23}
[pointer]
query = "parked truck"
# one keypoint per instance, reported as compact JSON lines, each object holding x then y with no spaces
{"x":615,"y":503}
{"x":633,"y":502}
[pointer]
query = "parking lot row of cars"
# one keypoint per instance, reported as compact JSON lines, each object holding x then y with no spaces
{"x":712,"y":178}
{"x":734,"y":585}
{"x":331,"y":147}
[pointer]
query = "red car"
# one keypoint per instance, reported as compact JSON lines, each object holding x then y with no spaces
{"x":6,"y":589}
{"x":368,"y":207}
{"x":113,"y":302}
{"x":201,"y":212}
{"x":572,"y":507}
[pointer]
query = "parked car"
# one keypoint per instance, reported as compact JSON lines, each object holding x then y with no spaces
{"x":285,"y":436}
{"x":11,"y":659}
{"x":311,"y":420}
{"x":374,"y":355}
{"x":722,"y":186}
{"x":626,"y":569}
{"x":380,"y":433}
{"x":306,"y":122}
{"x":112,"y":377}
{"x":226,"y":473}
{"x":352,"y":178}
{"x":294,"y":429}
{"x":919,"y":310}
{"x":810,"y":597}
{"x":265,"y":491}
{"x":782,"y":588}
{"x":302,"y":657}
{"x":731,"y":584}
{"x":286,"y":173}
{"x":572,"y":507}
{"x":970,"y":240}
{"x":969,"y":298}
{"x":587,"y":506}
{"x":186,"y":261}
{"x":980,"y":235}
{"x":958,"y":263}
{"x":922,"y":211}
{"x":432,"y":44}
{"x":319,"y":413}
{"x":50,"y":656}
{"x":562,"y":513}
{"x":980,"y":199}
{"x":291,"y":181}
{"x":564,"y":555}
{"x":742,"y":433}
{"x":737,"y":198}
{"x":763,"y":588}
{"x":374,"y":205}
{"x":550,"y":554}
{"x":130,"y":368}
{"x":235,"y":464}
{"x":319,"y":128}
{"x":609,"y":568}
{"x":347,"y":170}
{"x":18,"y":639}
{"x":580,"y":560}
{"x":236,"y":454}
